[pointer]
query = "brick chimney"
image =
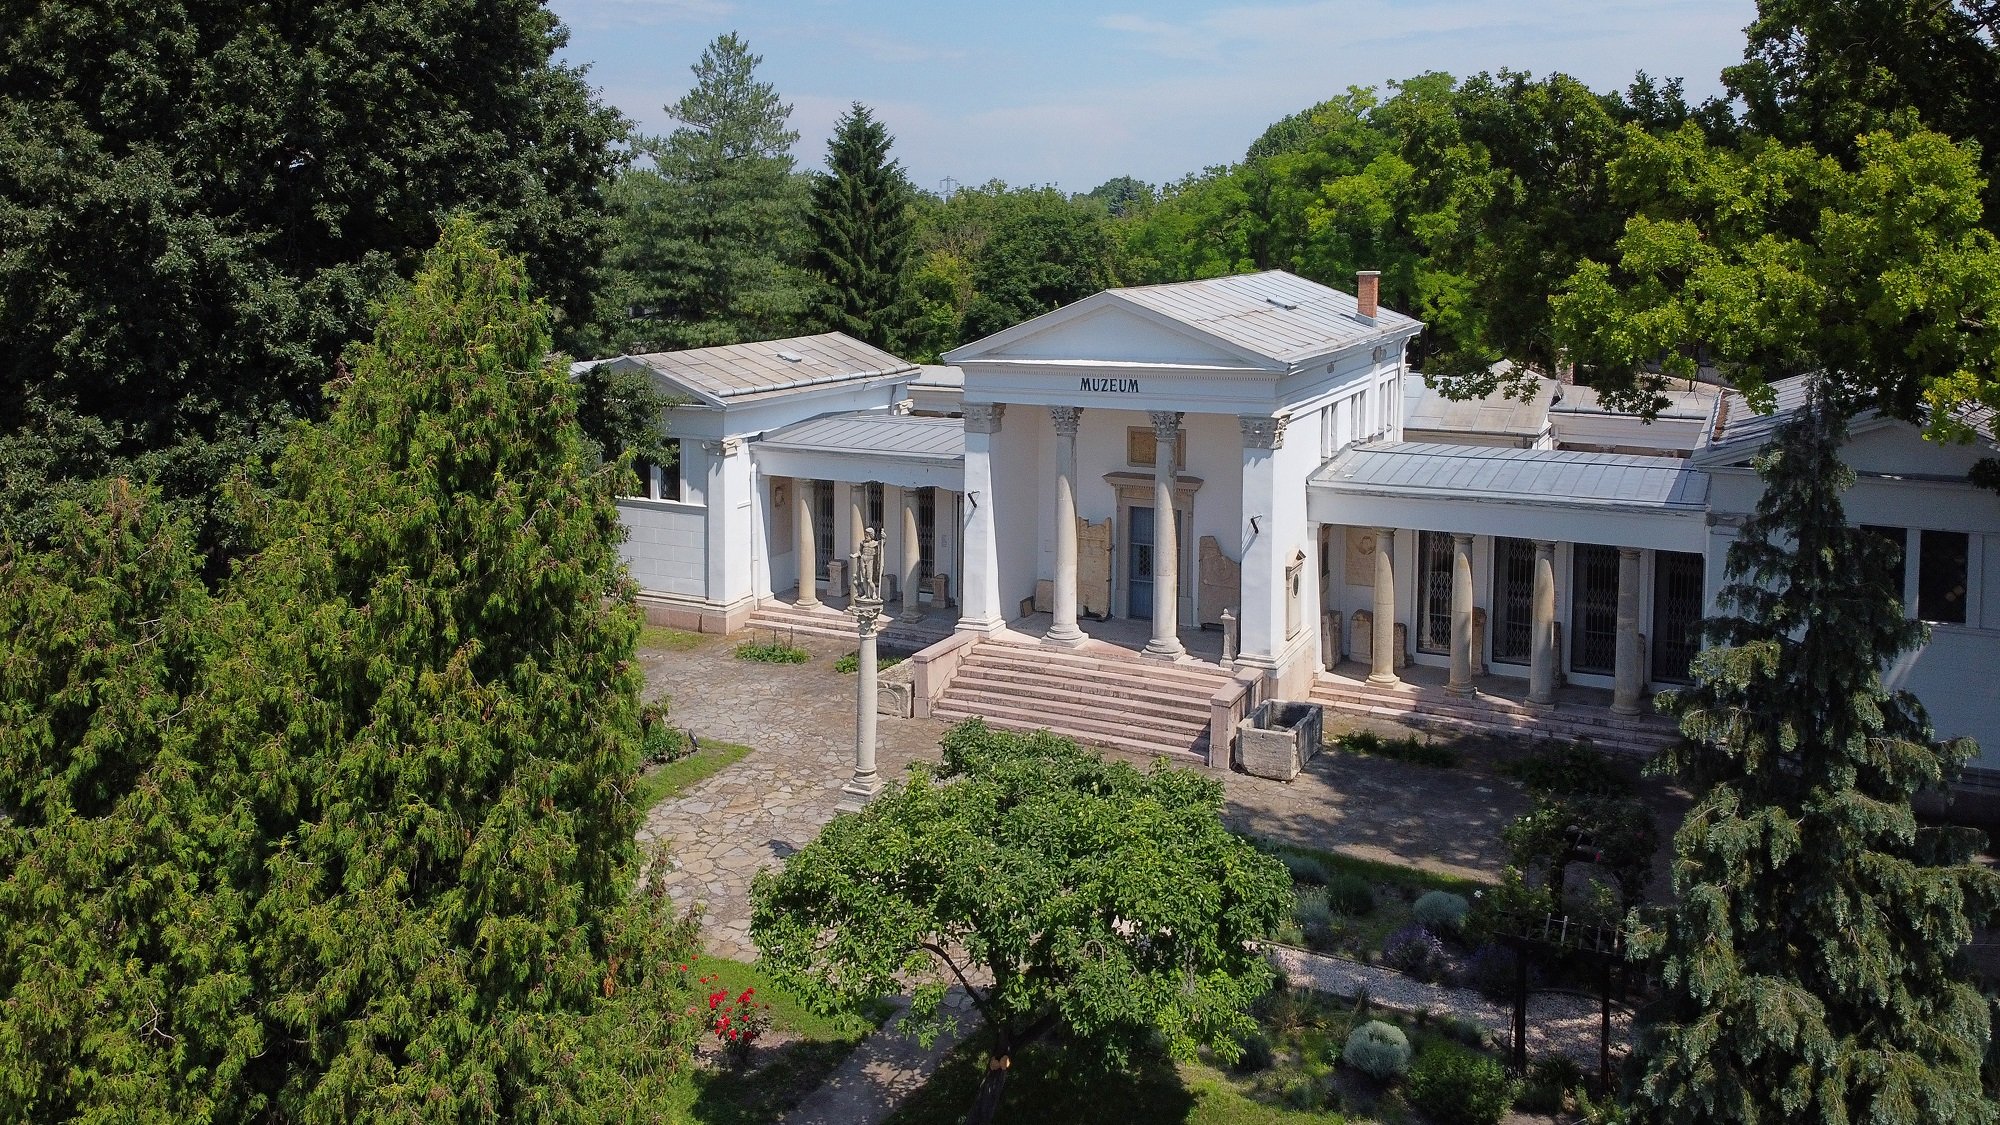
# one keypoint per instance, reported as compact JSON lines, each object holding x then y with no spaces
{"x":1367,"y":293}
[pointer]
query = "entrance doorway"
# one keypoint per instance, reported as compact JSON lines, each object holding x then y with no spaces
{"x":1139,"y":564}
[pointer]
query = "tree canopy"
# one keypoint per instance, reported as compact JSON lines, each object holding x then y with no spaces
{"x":1061,"y":891}
{"x":200,"y":204}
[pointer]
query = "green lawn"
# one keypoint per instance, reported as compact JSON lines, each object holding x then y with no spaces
{"x":671,"y":640}
{"x":822,"y":1043}
{"x":674,"y":778}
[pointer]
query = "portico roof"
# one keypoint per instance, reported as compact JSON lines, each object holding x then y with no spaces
{"x":1658,"y":502}
{"x":901,"y":449}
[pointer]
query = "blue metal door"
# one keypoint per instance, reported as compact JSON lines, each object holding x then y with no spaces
{"x":1139,"y":569}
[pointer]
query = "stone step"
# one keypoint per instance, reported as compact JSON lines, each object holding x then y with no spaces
{"x":1604,"y":734}
{"x":1028,"y":721}
{"x":972,"y":690}
{"x":1102,"y":685}
{"x":1045,"y":657}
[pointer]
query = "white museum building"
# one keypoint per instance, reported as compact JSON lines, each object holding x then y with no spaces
{"x":1133,"y":518}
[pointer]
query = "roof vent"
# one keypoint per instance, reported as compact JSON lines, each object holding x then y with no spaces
{"x":791,"y":357}
{"x":1276,"y":303}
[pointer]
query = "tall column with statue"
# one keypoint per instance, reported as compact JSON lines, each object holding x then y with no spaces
{"x":866,"y":606}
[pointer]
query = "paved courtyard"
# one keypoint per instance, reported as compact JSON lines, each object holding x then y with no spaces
{"x":799,"y":722}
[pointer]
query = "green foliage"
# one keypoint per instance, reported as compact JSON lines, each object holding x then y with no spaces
{"x":1350,"y":894}
{"x":709,"y":240}
{"x":1456,"y":1086}
{"x":619,"y":407}
{"x":860,"y":221}
{"x":201,"y":205}
{"x":384,"y":863}
{"x":1304,"y":868}
{"x":1441,"y":912}
{"x":1379,"y":1050}
{"x":772,"y":652}
{"x":1770,"y":260}
{"x":1105,"y":902}
{"x":1409,"y":748}
{"x":1615,"y":833}
{"x":1548,"y":1083}
{"x":1317,"y":921}
{"x":671,"y":640}
{"x":1812,"y":968}
{"x":1043,"y":250}
{"x":1569,"y":768}
{"x":850,"y":663}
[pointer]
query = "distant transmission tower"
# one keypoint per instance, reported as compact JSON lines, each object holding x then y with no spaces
{"x":947,"y":186}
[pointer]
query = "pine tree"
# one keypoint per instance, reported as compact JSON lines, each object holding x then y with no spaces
{"x":861,"y":229}
{"x":1813,"y":964}
{"x":710,"y":238}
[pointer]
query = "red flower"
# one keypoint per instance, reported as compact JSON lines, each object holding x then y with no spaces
{"x":745,"y":998}
{"x":715,"y":999}
{"x":732,"y":1035}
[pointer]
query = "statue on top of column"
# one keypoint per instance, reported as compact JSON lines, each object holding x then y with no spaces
{"x":868,"y":568}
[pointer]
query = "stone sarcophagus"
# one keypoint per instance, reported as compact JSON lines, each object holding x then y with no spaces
{"x":1278,"y":738}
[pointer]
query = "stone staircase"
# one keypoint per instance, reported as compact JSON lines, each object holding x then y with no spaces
{"x":1099,"y":695}
{"x":786,"y":618}
{"x":1427,"y":706}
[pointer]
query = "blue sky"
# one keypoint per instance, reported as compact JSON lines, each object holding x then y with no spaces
{"x":1040,"y":91}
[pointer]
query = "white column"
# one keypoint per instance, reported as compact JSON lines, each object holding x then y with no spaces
{"x":1461,"y":615}
{"x":862,"y":787}
{"x":1063,"y":630}
{"x":1542,"y":635}
{"x":1627,"y":680}
{"x":1383,"y":656}
{"x":1166,"y":640}
{"x":913,"y":562}
{"x":980,"y":585}
{"x":806,"y":542}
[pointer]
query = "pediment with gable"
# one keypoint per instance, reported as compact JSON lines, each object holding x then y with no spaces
{"x":1110,"y":333}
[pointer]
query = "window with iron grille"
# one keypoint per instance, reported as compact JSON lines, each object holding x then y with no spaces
{"x":1677,"y":602}
{"x":874,"y":506}
{"x":822,"y":510}
{"x":1593,"y":627}
{"x":1434,"y":586}
{"x":926,"y":535}
{"x":1513,"y":600}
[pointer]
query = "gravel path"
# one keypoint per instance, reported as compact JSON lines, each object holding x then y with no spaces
{"x":1557,"y":1023}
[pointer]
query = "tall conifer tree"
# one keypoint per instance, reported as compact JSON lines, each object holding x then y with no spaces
{"x":860,"y":221}
{"x":1813,"y":964}
{"x":710,"y":238}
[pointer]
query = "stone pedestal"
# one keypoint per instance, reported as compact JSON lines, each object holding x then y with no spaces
{"x":836,"y":579}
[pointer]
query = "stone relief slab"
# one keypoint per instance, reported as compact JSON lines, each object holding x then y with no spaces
{"x":1221,"y":582}
{"x":1093,"y":568}
{"x":1360,"y":556}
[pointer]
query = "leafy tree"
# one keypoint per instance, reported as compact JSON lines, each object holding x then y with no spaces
{"x":1771,"y":260}
{"x":709,"y":239}
{"x":1813,"y":967}
{"x":1823,"y":73}
{"x":200,"y":203}
{"x":861,"y":229}
{"x":1059,"y":890}
{"x":1121,"y":194}
{"x":349,"y":839}
{"x":1042,"y":251}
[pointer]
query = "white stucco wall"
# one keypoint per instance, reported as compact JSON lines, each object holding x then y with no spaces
{"x":666,"y":546}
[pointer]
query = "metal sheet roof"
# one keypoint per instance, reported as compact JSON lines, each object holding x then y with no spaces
{"x":772,"y":365}
{"x":1273,"y":314}
{"x":903,"y":436}
{"x":1425,"y":408}
{"x":1688,"y":404}
{"x":939,"y":375}
{"x":1546,"y":476}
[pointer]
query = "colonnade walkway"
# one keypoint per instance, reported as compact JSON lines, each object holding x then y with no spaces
{"x":1422,"y":698}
